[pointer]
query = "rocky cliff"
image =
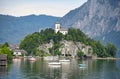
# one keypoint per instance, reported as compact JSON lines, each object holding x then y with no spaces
{"x":69,"y":47}
{"x":96,"y":18}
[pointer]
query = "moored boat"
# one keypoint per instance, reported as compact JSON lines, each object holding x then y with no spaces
{"x":32,"y":59}
{"x":64,"y":60}
{"x":54,"y":63}
{"x":82,"y":65}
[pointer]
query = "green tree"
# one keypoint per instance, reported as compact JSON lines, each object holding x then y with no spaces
{"x":6,"y":50}
{"x":5,"y":44}
{"x":50,"y":50}
{"x":80,"y":54}
{"x":30,"y":43}
{"x":57,"y":52}
{"x":111,"y":49}
{"x":101,"y":51}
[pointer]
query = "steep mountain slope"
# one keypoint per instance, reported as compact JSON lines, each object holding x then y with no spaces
{"x":97,"y":18}
{"x":14,"y":29}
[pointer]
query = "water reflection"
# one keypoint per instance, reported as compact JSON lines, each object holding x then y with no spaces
{"x":65,"y":71}
{"x":53,"y":73}
{"x":95,"y":69}
{"x":102,"y":69}
{"x":3,"y":70}
{"x":118,"y":61}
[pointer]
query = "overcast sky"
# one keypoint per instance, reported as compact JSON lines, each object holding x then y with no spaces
{"x":48,"y":7}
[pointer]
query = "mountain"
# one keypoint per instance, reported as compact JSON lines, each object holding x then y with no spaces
{"x":99,"y":19}
{"x":14,"y":29}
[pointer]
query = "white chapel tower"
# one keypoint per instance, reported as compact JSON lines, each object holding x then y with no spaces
{"x":57,"y":27}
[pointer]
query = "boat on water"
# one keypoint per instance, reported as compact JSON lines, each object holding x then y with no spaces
{"x":64,"y":60}
{"x":82,"y":65}
{"x":54,"y":63}
{"x":32,"y":59}
{"x":54,"y":66}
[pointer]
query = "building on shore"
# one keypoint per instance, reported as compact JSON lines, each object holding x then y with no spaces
{"x":3,"y":59}
{"x":16,"y":50}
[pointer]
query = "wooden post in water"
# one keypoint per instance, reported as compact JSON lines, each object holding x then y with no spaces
{"x":3,"y":60}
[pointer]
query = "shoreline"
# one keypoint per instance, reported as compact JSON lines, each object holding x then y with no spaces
{"x":109,"y":58}
{"x":94,"y":58}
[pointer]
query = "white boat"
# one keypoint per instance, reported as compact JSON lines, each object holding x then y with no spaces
{"x":54,"y":63}
{"x":64,"y":60}
{"x":54,"y":66}
{"x":32,"y":59}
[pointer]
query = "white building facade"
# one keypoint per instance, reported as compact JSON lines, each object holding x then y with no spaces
{"x":59,"y":29}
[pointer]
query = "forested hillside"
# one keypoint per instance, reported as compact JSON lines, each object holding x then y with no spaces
{"x":32,"y":41}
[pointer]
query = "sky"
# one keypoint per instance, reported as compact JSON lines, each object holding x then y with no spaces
{"x":49,"y":7}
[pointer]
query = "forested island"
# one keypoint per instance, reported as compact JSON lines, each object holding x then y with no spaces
{"x":74,"y":43}
{"x":32,"y":43}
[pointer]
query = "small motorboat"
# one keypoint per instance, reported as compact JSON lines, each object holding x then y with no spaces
{"x":82,"y":65}
{"x":54,"y":63}
{"x":64,"y":60}
{"x":54,"y":66}
{"x":32,"y":59}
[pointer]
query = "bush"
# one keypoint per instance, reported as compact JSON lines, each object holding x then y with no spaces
{"x":80,"y":54}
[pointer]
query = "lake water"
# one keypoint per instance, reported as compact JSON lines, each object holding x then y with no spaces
{"x":95,"y":69}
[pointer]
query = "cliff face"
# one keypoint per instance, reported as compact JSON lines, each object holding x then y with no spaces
{"x":99,"y":19}
{"x":68,"y":47}
{"x":45,"y":47}
{"x":95,"y":17}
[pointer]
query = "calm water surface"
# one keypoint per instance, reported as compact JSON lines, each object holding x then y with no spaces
{"x":96,"y":69}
